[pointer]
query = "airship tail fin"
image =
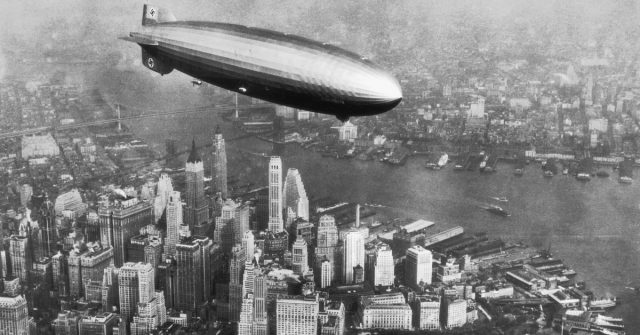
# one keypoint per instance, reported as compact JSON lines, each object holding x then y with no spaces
{"x":152,"y":14}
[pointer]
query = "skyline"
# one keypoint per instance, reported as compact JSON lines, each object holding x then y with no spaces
{"x":502,"y":185}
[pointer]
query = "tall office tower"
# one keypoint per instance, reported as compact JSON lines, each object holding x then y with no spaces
{"x":193,"y":272}
{"x":153,"y":250}
{"x":260,"y":291}
{"x":196,"y":211}
{"x":248,"y":245}
{"x":92,"y":265}
{"x":59,"y":274}
{"x":165,"y":188}
{"x":245,"y":324}
{"x":120,"y":220}
{"x":136,"y":285}
{"x":150,"y":315}
{"x":300,"y":258}
{"x":223,"y":234}
{"x":26,"y":191}
{"x":174,"y":221}
{"x":110,"y":289}
{"x":384,"y":266}
{"x":21,"y":258}
{"x":219,"y":165}
{"x":297,"y":315}
{"x":326,"y":273}
{"x":166,"y":278}
{"x":241,"y":221}
{"x":47,"y":224}
{"x":74,"y":270}
{"x":236,"y":272}
{"x":427,"y":312}
{"x":101,"y":324}
{"x":353,"y":255}
{"x":14,"y":317}
{"x":418,"y":266}
{"x":275,"y":195}
{"x":66,"y":323}
{"x":247,"y":278}
{"x":294,"y":197}
{"x":327,"y":241}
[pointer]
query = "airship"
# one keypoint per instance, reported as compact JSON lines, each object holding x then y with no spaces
{"x":281,"y":68}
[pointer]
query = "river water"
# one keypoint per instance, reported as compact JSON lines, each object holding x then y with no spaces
{"x":593,"y":226}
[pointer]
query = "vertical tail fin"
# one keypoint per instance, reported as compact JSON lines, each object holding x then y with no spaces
{"x":153,"y":14}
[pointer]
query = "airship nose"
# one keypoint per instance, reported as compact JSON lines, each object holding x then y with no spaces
{"x":386,"y":88}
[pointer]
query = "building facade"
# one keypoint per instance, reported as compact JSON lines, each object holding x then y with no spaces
{"x":276,"y":223}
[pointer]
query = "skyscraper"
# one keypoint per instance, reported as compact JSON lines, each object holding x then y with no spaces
{"x":260,"y":292}
{"x":300,"y":258}
{"x":174,"y":221}
{"x":297,"y":315}
{"x":225,"y":229}
{"x":384,"y":266}
{"x":196,"y":211}
{"x":295,"y":197}
{"x":327,"y":243}
{"x":119,"y":221}
{"x":14,"y":317}
{"x":276,"y":224}
{"x":245,"y":324}
{"x":20,"y":255}
{"x":93,"y":264}
{"x":353,"y":255}
{"x":418,"y":266}
{"x":248,"y":245}
{"x":136,"y":285}
{"x":236,"y":272}
{"x":241,"y":221}
{"x":326,"y":273}
{"x":193,"y":272}
{"x":219,"y":165}
{"x":164,"y":189}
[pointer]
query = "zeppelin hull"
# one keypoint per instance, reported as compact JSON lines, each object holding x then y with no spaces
{"x":271,"y":66}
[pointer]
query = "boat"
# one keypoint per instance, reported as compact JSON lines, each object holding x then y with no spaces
{"x":565,"y":171}
{"x":458,"y":167}
{"x":518,"y":171}
{"x":602,"y":303}
{"x":501,"y":199}
{"x":583,"y":176}
{"x":497,"y":210}
{"x":602,"y":174}
{"x":443,"y":160}
{"x":548,"y":173}
{"x":625,"y":180}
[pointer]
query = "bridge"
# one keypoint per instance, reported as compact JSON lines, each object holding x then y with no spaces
{"x":141,"y":114}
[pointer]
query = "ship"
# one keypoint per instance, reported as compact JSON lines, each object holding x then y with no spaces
{"x":501,"y":199}
{"x":602,"y":303}
{"x":625,"y":180}
{"x":583,"y":176}
{"x":548,"y":173}
{"x":625,"y":170}
{"x":437,"y":161}
{"x":497,"y":210}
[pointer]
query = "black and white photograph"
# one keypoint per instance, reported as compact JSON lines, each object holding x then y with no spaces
{"x":319,"y":167}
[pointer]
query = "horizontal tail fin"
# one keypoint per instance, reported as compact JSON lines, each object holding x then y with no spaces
{"x":153,"y":14}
